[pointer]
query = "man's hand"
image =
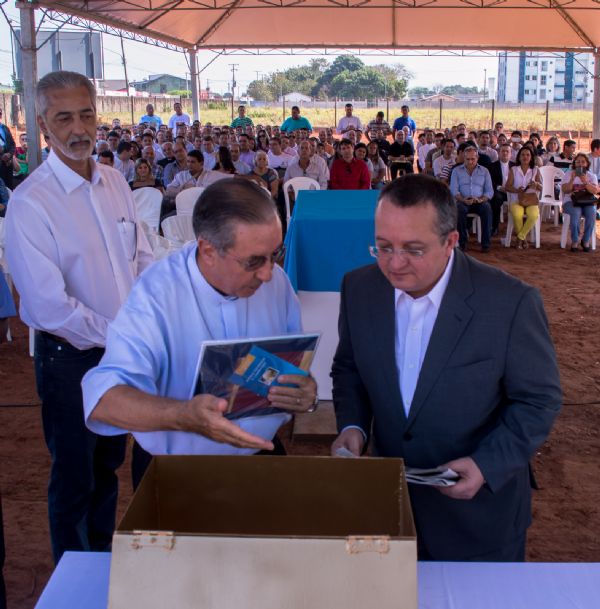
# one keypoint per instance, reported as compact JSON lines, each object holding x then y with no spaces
{"x":351,"y":439}
{"x":470,"y":481}
{"x":296,"y":399}
{"x":203,"y":414}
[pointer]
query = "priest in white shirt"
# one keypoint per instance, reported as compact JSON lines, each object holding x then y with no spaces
{"x":75,"y":249}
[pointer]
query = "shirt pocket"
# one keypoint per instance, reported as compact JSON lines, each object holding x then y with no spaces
{"x":128,"y":233}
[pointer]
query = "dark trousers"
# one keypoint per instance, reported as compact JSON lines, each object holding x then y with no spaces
{"x":2,"y":557}
{"x":498,"y":200}
{"x":6,"y":173}
{"x":514,"y":551}
{"x":82,"y":492}
{"x":484,"y":211}
{"x":396,"y":167}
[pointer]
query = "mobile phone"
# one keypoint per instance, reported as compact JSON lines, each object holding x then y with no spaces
{"x":579,"y":171}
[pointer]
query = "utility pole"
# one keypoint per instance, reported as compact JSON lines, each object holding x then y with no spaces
{"x":484,"y":82}
{"x":124,"y":62}
{"x":233,"y":67}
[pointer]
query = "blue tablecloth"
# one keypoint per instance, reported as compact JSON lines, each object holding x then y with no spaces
{"x":81,"y":582}
{"x":329,"y":235}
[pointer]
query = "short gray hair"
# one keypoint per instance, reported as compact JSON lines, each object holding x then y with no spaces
{"x":61,"y":80}
{"x":228,"y":202}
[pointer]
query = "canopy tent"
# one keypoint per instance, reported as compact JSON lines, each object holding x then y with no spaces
{"x":192,"y":25}
{"x":565,"y":25}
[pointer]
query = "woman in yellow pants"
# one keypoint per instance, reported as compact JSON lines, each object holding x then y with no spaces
{"x":522,"y":185}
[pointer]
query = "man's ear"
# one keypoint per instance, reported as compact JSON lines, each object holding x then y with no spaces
{"x":207,"y":252}
{"x":42,"y":125}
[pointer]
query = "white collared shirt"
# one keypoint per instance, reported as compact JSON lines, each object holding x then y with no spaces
{"x":74,"y":249}
{"x":415,"y":319}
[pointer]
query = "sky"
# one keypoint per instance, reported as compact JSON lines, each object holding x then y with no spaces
{"x":143,"y":60}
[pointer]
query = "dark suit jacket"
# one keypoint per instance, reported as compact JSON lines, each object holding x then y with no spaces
{"x":488,"y":388}
{"x":495,"y":170}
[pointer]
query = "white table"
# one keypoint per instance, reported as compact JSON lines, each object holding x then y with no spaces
{"x":81,"y":582}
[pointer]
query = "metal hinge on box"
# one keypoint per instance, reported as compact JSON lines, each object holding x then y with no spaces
{"x":357,"y":545}
{"x":153,"y":539}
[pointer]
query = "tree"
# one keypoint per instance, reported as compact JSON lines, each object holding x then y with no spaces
{"x":419,"y":92}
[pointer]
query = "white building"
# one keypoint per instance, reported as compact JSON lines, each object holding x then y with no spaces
{"x":539,"y":77}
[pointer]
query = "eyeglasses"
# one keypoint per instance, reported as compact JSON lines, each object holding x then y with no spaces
{"x":387,"y":252}
{"x":254,"y":263}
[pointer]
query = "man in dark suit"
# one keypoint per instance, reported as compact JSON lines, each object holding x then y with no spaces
{"x":499,"y":173}
{"x":445,"y":361}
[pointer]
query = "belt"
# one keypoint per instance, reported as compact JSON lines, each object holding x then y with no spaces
{"x":54,"y":338}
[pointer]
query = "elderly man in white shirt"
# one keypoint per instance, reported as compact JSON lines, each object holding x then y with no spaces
{"x":74,"y":249}
{"x":308,"y":165}
{"x":278,"y":159}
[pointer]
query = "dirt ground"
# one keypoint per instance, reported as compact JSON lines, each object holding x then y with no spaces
{"x":566,"y":508}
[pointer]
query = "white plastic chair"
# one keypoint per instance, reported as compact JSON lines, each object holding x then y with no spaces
{"x":565,"y":232}
{"x":4,"y":267}
{"x":548,"y":202}
{"x":178,"y":229}
{"x":186,"y":199}
{"x":476,"y":225}
{"x":534,"y":233}
{"x":147,"y":202}
{"x":297,"y":184}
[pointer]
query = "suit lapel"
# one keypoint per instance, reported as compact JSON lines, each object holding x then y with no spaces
{"x":382,"y":316}
{"x":452,"y":320}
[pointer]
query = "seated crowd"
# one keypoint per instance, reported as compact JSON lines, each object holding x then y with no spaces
{"x":485,"y":169}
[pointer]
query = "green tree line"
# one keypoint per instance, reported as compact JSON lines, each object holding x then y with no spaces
{"x":347,"y":77}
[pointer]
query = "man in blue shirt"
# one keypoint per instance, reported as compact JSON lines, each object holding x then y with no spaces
{"x":151,"y":119}
{"x":294,"y":122}
{"x":404,"y":120}
{"x":472,"y":188}
{"x":224,"y":286}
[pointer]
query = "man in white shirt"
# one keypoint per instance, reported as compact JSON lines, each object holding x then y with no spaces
{"x":430,"y":365}
{"x":349,"y":122}
{"x":309,"y":165}
{"x":278,"y":159}
{"x":241,"y":167}
{"x":210,"y":155}
{"x":246,"y":155}
{"x":194,"y":175}
{"x":179,"y":118}
{"x":74,"y":249}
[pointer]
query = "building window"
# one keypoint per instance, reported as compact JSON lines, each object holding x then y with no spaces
{"x":534,"y":77}
{"x":527,"y":77}
{"x":544,"y":66}
{"x":543,"y":79}
{"x":542,"y":93}
{"x":528,"y":63}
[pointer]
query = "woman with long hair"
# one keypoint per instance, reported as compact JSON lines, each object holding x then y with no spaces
{"x":523,"y":185}
{"x":224,"y":163}
{"x":143,"y":177}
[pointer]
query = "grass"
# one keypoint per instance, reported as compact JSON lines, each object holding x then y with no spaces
{"x":525,"y":119}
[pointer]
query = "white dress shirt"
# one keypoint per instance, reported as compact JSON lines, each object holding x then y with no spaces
{"x":415,"y":319}
{"x":74,"y":249}
{"x":279,"y":160}
{"x":186,"y":179}
{"x":317,"y":170}
{"x":179,"y":118}
{"x":346,"y":123}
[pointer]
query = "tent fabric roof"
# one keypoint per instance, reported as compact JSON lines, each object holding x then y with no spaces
{"x":537,"y":25}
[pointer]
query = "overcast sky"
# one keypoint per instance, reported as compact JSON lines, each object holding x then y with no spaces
{"x":143,"y":60}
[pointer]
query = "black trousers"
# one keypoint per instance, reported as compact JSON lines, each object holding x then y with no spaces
{"x":396,"y":167}
{"x":82,"y":492}
{"x":514,"y":551}
{"x":497,"y":202}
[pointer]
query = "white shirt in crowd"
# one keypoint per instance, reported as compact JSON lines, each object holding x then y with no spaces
{"x":181,"y":119}
{"x":490,"y":152}
{"x":317,"y":170}
{"x":74,"y":250}
{"x":279,"y":160}
{"x":127,"y":168}
{"x":415,"y":318}
{"x":422,"y":151}
{"x":186,"y":179}
{"x":505,"y":168}
{"x":440,"y":162}
{"x":349,"y":122}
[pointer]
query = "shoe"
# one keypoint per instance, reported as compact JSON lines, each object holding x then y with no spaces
{"x":525,"y":244}
{"x":485,"y":249}
{"x":520,"y":244}
{"x":585,"y":248}
{"x":574,"y":249}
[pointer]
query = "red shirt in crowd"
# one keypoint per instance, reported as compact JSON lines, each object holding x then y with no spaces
{"x":349,"y":176}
